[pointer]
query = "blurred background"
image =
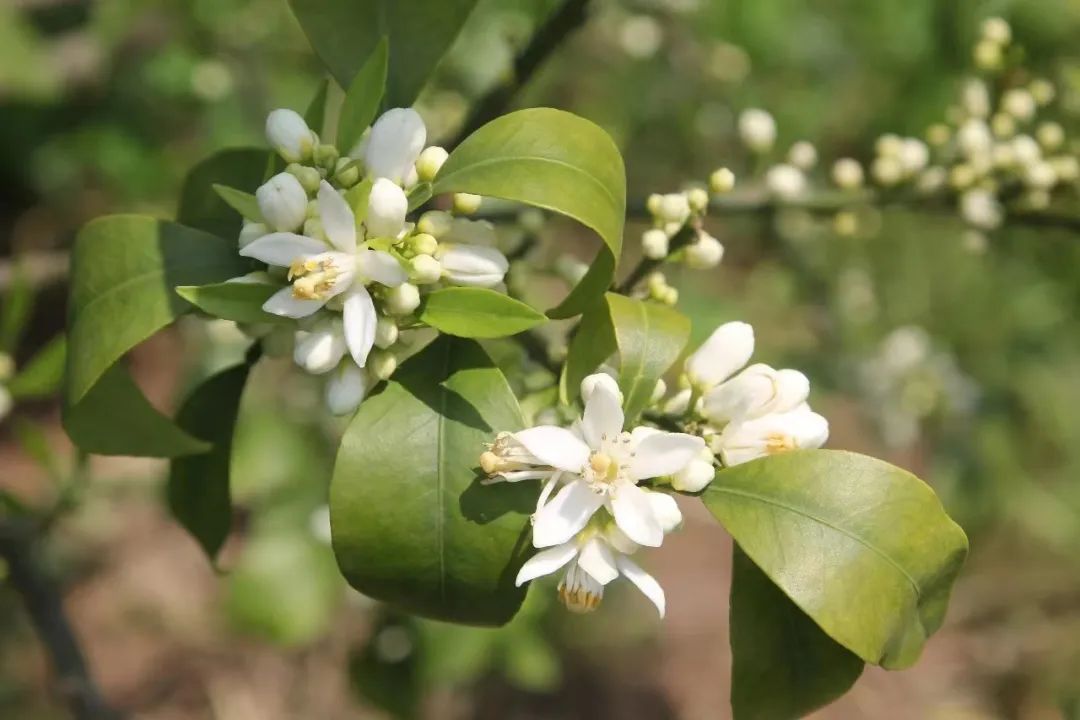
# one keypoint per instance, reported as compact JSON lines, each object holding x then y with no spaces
{"x":956,"y":359}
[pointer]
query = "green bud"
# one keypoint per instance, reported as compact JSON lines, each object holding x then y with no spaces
{"x":435,"y":223}
{"x":309,"y":177}
{"x":382,"y":364}
{"x":326,"y":156}
{"x":423,"y":244}
{"x":466,"y":203}
{"x":386,"y":332}
{"x":347,"y":173}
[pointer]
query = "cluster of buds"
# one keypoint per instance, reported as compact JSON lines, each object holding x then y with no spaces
{"x":351,"y":268}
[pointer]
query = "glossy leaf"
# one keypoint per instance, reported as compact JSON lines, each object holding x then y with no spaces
{"x":200,"y":205}
{"x":238,"y":301}
{"x":650,"y":337}
{"x":783,"y":665}
{"x":593,"y":342}
{"x":315,"y":115}
{"x":41,"y":377}
{"x":124,"y":271}
{"x":243,"y":203}
{"x":412,"y":524}
{"x":554,"y":160}
{"x":478,"y":313}
{"x":344,"y":33}
{"x":198,"y":485}
{"x":877,"y":533}
{"x":363,"y":97}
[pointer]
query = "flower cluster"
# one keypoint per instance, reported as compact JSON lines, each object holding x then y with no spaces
{"x":352,"y":270}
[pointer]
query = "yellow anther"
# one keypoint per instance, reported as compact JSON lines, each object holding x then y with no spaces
{"x":600,"y":463}
{"x":778,"y":443}
{"x":490,"y":462}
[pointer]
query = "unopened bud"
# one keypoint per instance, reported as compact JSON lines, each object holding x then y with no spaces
{"x":466,"y":204}
{"x":988,"y":55}
{"x":653,"y":204}
{"x":1043,"y":91}
{"x":347,"y":172}
{"x":290,"y":135}
{"x":704,"y":253}
{"x":698,"y":199}
{"x":424,"y":270}
{"x":996,"y":30}
{"x":403,"y":299}
{"x":313,"y":228}
{"x":423,"y":244}
{"x":1050,"y":135}
{"x":430,"y":162}
{"x":847,"y":173}
{"x":381,"y":364}
{"x":386,"y":332}
{"x":309,"y":177}
{"x":654,"y":244}
{"x":803,"y":155}
{"x":722,"y":181}
{"x":282,"y":202}
{"x":326,"y":156}
{"x":435,"y":223}
{"x":757,"y":128}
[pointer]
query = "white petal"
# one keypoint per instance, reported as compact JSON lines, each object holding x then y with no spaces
{"x":603,"y":416}
{"x":397,"y":139}
{"x":320,"y":350}
{"x":546,"y":562}
{"x":727,"y":349}
{"x":289,"y":134}
{"x":358,"y":312}
{"x":695,"y":476}
{"x":591,"y":382}
{"x":387,"y":208}
{"x":792,"y":389}
{"x":597,"y":560}
{"x":338,"y":220}
{"x":666,"y":510}
{"x":346,"y":388}
{"x":282,"y":248}
{"x":645,"y":582}
{"x":555,"y":446}
{"x":473,"y":265}
{"x":382,"y":267}
{"x":567,"y":513}
{"x":663,"y":454}
{"x":635,"y":516}
{"x":283,"y":202}
{"x":284,"y":304}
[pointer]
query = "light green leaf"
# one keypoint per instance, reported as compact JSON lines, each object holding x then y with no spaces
{"x":412,"y":524}
{"x":650,"y":338}
{"x":358,"y":197}
{"x":876,"y":533}
{"x":478,"y":313}
{"x":198,"y":485}
{"x":783,"y":665}
{"x":124,"y":271}
{"x":238,"y":301}
{"x":315,"y":115}
{"x":200,"y":205}
{"x":554,"y":160}
{"x":593,"y":342}
{"x":16,"y":309}
{"x":363,"y":97}
{"x":240,"y":201}
{"x":41,"y":377}
{"x":344,"y":33}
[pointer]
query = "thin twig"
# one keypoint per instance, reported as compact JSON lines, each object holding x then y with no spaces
{"x":550,"y":36}
{"x":19,"y":547}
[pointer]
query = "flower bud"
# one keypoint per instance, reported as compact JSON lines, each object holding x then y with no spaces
{"x":1050,"y":135}
{"x":472,"y":265}
{"x":386,"y":332}
{"x":757,"y":129}
{"x":1003,"y":125}
{"x":975,"y":98}
{"x":704,"y":253}
{"x":721,"y":355}
{"x":914,"y":155}
{"x":988,"y":55}
{"x":652,"y":204}
{"x":411,"y":179}
{"x":1040,"y":175}
{"x":7,"y":367}
{"x":600,"y":379}
{"x":382,"y":364}
{"x":785,"y":182}
{"x":1026,"y":149}
{"x":282,"y":202}
{"x":466,"y":203}
{"x":962,"y":176}
{"x":309,"y":177}
{"x":313,"y":228}
{"x":670,"y":296}
{"x":320,"y":350}
{"x":1043,"y":91}
{"x":346,"y":172}
{"x":847,"y":173}
{"x":396,"y":141}
{"x":698,"y":199}
{"x":674,"y":208}
{"x":756,"y":391}
{"x":981,"y":209}
{"x":290,"y":135}
{"x":1019,"y":103}
{"x":250,"y":232}
{"x":423,"y":244}
{"x":722,"y":181}
{"x":996,"y":30}
{"x":803,"y":155}
{"x":932,"y":180}
{"x":659,"y":391}
{"x":424,"y":270}
{"x":770,"y":435}
{"x":430,"y":162}
{"x":387,"y":207}
{"x":326,"y":156}
{"x":938,"y":134}
{"x":1066,"y":167}
{"x":346,"y":388}
{"x":435,"y":223}
{"x":696,"y":475}
{"x":974,"y":138}
{"x":887,"y":170}
{"x":665,"y":510}
{"x":402,"y":300}
{"x":654,"y":244}
{"x":889,"y":145}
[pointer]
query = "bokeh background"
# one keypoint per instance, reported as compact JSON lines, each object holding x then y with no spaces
{"x":956,"y":359}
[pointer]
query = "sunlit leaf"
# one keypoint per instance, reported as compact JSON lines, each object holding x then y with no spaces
{"x":478,"y":313}
{"x":238,"y":301}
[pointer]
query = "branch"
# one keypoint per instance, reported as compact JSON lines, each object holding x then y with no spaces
{"x":18,"y":546}
{"x":545,"y":41}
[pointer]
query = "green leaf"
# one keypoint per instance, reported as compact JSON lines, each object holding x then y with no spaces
{"x":344,"y":33}
{"x":238,"y":301}
{"x":240,"y":201}
{"x":554,"y":160}
{"x":41,"y":377}
{"x":17,"y":307}
{"x":358,"y":197}
{"x":863,"y":547}
{"x":478,"y":313}
{"x":124,"y":271}
{"x":592,"y":343}
{"x":315,"y":115}
{"x":650,"y":337}
{"x":363,"y":97}
{"x":412,"y":524}
{"x":200,"y":205}
{"x":198,"y":485}
{"x":783,"y":665}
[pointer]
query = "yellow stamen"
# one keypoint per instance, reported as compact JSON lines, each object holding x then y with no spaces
{"x":778,"y":443}
{"x":600,"y":463}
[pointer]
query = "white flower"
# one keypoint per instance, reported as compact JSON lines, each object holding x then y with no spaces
{"x":974,"y":138}
{"x":425,"y":270}
{"x":600,"y":466}
{"x":775,"y":433}
{"x":785,"y":181}
{"x":654,"y":244}
{"x":319,"y":272}
{"x":396,"y":141}
{"x":698,"y":473}
{"x":591,"y":382}
{"x":981,"y":209}
{"x":320,"y":349}
{"x":756,"y":391}
{"x":473,"y":265}
{"x":725,"y":351}
{"x":290,"y":135}
{"x":847,"y":173}
{"x":704,"y":253}
{"x":387,"y":208}
{"x":596,"y":557}
{"x":757,"y":129}
{"x":346,"y":388}
{"x":283,"y":202}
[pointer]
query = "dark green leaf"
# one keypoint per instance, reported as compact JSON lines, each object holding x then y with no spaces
{"x":650,"y":337}
{"x":344,"y":33}
{"x":363,"y":97}
{"x":18,"y":304}
{"x":783,"y":665}
{"x":412,"y":524}
{"x":238,"y":301}
{"x":478,"y":313}
{"x":200,"y":205}
{"x":198,"y":486}
{"x":240,"y":201}
{"x":861,"y":546}
{"x":554,"y":160}
{"x":41,"y":377}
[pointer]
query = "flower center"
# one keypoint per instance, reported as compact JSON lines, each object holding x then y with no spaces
{"x":579,"y":592}
{"x":779,"y":443}
{"x":313,"y":278}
